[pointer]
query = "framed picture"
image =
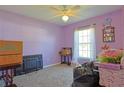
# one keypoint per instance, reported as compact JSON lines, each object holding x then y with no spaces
{"x":108,"y":34}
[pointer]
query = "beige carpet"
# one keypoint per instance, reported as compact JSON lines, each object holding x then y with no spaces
{"x":55,"y":76}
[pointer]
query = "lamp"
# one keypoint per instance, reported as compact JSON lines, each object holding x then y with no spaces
{"x":65,"y":18}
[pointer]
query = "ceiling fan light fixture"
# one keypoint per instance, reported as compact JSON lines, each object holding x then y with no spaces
{"x":65,"y":18}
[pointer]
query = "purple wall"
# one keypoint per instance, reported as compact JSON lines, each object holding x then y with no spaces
{"x":122,"y":33}
{"x":46,"y":38}
{"x":99,"y":20}
{"x":37,"y":36}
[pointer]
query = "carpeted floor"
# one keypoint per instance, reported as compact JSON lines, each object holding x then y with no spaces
{"x":55,"y":76}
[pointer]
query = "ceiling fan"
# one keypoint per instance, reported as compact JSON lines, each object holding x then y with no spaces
{"x":65,"y":11}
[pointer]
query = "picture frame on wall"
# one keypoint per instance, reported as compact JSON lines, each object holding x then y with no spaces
{"x":109,"y":34}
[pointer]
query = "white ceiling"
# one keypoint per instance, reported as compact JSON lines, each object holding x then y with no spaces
{"x":43,"y":12}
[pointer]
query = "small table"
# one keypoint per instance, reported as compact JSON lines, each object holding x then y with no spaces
{"x":66,"y":59}
{"x":66,"y":55}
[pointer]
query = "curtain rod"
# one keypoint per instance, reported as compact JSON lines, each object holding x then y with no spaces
{"x":88,"y":25}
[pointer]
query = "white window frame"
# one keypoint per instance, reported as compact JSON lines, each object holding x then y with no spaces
{"x":83,"y":43}
{"x":92,"y":43}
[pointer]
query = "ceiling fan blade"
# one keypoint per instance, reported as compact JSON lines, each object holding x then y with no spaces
{"x":70,"y":13}
{"x":73,"y":10}
{"x":77,"y":7}
{"x":55,"y":9}
{"x":58,"y":15}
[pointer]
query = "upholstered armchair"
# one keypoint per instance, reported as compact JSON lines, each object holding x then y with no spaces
{"x":84,"y":69}
{"x":85,"y":76}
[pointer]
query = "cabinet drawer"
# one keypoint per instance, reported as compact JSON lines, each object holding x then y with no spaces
{"x":11,"y":59}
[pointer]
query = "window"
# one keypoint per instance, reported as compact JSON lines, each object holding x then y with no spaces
{"x":84,"y":43}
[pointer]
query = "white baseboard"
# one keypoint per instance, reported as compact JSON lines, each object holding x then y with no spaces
{"x":51,"y":65}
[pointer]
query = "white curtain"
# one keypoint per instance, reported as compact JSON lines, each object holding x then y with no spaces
{"x":93,"y":44}
{"x":76,"y":57}
{"x":76,"y":47}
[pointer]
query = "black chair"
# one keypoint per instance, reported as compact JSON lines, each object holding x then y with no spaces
{"x":86,"y":75}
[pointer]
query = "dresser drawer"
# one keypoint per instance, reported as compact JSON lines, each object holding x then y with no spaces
{"x":10,"y":59}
